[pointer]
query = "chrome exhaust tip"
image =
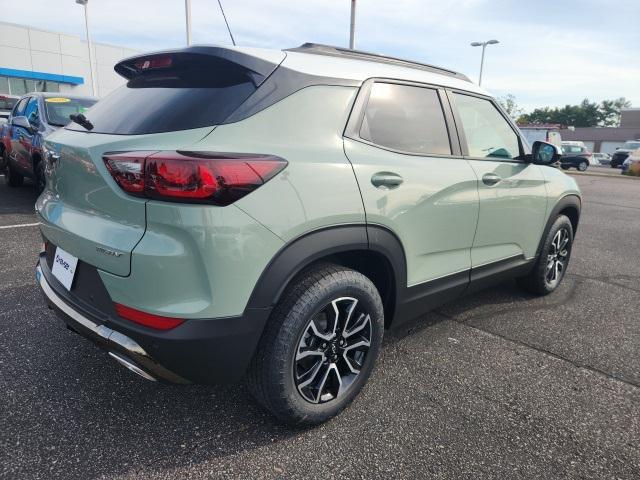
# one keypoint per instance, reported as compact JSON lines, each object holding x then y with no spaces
{"x":134,"y":368}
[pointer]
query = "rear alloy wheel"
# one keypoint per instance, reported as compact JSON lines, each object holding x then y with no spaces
{"x":582,"y":166}
{"x":551,"y":266}
{"x":320,"y":345}
{"x":332,"y":350}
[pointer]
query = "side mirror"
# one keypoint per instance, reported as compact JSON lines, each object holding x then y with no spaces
{"x":543,"y":153}
{"x":21,"y":122}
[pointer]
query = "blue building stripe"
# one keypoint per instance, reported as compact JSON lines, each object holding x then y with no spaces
{"x":53,"y":77}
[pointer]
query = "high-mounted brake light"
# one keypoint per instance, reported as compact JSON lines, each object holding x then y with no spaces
{"x":195,"y":177}
{"x":150,"y":320}
{"x":151,"y":63}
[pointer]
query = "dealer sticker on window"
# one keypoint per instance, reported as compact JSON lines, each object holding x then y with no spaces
{"x":64,"y":267}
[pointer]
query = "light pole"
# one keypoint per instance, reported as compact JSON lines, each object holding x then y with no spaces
{"x":352,"y":30}
{"x":483,"y":45}
{"x":85,"y":4}
{"x":187,"y":13}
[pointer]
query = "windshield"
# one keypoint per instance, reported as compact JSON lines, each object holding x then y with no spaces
{"x":631,"y":145}
{"x":7,"y":103}
{"x":58,"y":109}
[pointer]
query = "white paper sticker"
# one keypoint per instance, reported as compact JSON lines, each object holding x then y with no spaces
{"x":64,"y":267}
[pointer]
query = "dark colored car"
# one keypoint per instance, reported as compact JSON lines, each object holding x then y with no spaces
{"x":623,"y":152}
{"x":574,"y":156}
{"x":33,"y":118}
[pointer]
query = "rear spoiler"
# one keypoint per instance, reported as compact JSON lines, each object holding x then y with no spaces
{"x":257,"y":68}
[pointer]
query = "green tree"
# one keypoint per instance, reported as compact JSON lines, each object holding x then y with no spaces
{"x":586,"y":114}
{"x":508,"y":102}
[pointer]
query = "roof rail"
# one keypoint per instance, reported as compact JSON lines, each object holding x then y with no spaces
{"x":330,"y":50}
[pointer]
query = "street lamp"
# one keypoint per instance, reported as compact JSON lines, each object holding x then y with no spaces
{"x":187,"y":14}
{"x":483,"y":45}
{"x":84,"y":3}
{"x":352,"y":29}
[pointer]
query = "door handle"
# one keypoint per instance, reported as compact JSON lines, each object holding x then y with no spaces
{"x":386,"y":180}
{"x":490,"y":179}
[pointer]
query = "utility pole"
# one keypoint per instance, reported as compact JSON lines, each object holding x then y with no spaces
{"x":187,"y":12}
{"x":94,"y":86}
{"x":484,"y":46}
{"x":352,"y":35}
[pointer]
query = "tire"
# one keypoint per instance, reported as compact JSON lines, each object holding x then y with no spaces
{"x":39,"y":180}
{"x":582,"y":166}
{"x":541,"y":280}
{"x":285,"y":378}
{"x":565,"y":167}
{"x":13,"y":178}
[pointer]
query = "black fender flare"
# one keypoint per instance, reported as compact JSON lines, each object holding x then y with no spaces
{"x":322,"y":243}
{"x":570,"y":201}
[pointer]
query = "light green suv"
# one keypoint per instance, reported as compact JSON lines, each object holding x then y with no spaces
{"x":239,"y":213}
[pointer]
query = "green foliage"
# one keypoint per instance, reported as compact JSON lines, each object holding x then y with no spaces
{"x":586,"y":114}
{"x":508,"y":102}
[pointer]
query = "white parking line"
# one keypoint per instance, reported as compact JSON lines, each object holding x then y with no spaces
{"x":2,"y":227}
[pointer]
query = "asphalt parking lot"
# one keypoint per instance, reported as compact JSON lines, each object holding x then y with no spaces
{"x":496,"y":385}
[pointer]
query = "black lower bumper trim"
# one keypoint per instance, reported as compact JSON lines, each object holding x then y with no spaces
{"x":208,"y":351}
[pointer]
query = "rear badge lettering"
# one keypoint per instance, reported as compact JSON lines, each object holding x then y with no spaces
{"x":109,"y":252}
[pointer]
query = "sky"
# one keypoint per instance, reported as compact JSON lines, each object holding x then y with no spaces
{"x":551,"y":53}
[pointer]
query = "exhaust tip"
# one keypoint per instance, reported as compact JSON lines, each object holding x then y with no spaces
{"x":134,"y":368}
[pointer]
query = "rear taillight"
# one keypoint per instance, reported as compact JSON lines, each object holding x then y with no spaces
{"x":150,"y":320}
{"x":200,"y":177}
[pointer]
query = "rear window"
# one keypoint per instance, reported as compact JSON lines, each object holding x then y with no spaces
{"x":7,"y":103}
{"x":58,"y":109}
{"x":572,"y":149}
{"x":194,"y":91}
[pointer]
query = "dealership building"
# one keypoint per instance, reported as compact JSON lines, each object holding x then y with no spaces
{"x":38,"y":60}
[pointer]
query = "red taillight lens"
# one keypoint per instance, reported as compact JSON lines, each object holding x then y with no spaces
{"x":127,"y":168}
{"x":147,"y":319}
{"x":216,"y":178}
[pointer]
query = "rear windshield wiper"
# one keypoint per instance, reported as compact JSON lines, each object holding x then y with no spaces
{"x":80,"y":119}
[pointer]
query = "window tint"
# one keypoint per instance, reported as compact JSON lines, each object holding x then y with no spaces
{"x":488,"y":133}
{"x":406,"y":118}
{"x":200,"y":91}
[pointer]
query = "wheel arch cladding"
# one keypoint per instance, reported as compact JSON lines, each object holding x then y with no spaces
{"x":371,"y":250}
{"x":569,"y":205}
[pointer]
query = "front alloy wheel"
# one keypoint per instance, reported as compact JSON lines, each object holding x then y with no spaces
{"x":557,"y":257}
{"x":332,"y":350}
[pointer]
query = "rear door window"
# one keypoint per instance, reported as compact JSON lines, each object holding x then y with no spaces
{"x":405,"y":118}
{"x":487,"y":132}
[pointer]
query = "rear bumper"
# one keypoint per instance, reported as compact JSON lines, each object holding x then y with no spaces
{"x":198,"y":351}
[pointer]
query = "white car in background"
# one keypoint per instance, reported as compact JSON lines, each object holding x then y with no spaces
{"x":601,"y":159}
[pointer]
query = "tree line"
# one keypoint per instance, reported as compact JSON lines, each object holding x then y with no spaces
{"x":585,"y":114}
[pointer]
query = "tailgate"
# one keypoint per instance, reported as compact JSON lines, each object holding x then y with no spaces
{"x":83,"y":210}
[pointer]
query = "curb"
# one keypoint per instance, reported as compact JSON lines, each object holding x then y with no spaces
{"x":602,"y":175}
